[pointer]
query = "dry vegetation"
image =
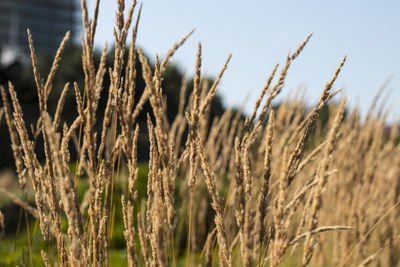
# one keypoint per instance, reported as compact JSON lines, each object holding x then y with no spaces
{"x":276,"y":188}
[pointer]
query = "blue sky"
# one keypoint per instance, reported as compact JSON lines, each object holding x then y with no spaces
{"x":260,"y":34}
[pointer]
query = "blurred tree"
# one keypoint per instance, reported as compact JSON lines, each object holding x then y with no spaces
{"x":70,"y":70}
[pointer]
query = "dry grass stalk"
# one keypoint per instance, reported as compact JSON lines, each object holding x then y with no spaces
{"x":322,"y":179}
{"x":69,"y":199}
{"x":276,"y":89}
{"x":129,"y":231}
{"x":31,"y":163}
{"x":60,"y":105}
{"x":249,"y":123}
{"x":172,"y":51}
{"x":208,"y":248}
{"x":263,"y":199}
{"x":15,"y":143}
{"x":279,"y":190}
{"x":127,"y":206}
{"x":20,"y":202}
{"x":319,"y":230}
{"x":45,"y":259}
{"x":214,"y":87}
{"x":50,"y":78}
{"x":216,"y":204}
{"x":2,"y":225}
{"x":193,"y":122}
{"x":193,"y":119}
{"x":143,"y":236}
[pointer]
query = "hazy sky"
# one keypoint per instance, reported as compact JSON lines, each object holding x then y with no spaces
{"x":260,"y":34}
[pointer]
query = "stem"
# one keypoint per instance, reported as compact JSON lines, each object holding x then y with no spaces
{"x":79,"y":144}
{"x":190,"y":228}
{"x":173,"y":249}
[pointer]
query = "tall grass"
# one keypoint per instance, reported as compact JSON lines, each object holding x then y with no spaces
{"x":277,"y":188}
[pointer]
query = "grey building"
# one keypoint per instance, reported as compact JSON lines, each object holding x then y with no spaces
{"x":48,"y":21}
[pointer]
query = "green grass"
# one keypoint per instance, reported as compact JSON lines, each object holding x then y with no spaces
{"x":14,"y":249}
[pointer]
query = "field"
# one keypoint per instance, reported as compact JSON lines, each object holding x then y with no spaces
{"x":288,"y":185}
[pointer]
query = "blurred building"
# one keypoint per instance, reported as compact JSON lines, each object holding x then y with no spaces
{"x":48,"y":21}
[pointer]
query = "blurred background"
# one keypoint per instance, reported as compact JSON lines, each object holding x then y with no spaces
{"x":258,"y":34}
{"x":48,"y":21}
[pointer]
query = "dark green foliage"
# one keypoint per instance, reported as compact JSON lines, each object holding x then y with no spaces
{"x":70,"y":70}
